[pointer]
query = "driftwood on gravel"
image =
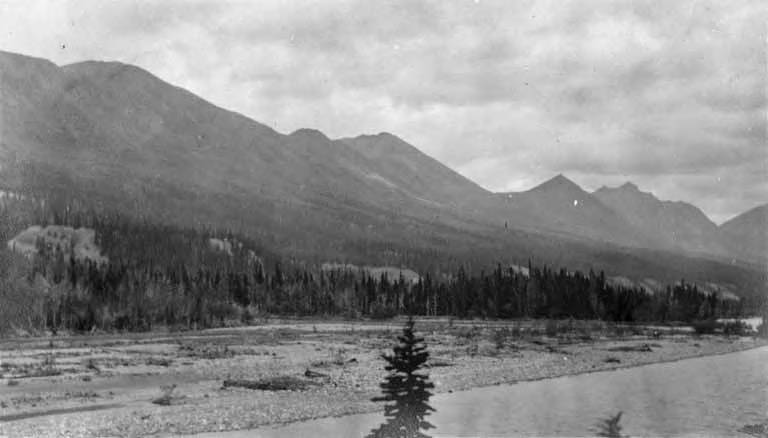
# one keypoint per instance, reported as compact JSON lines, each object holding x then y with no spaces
{"x":315,"y":375}
{"x":644,"y":348}
{"x":282,"y":383}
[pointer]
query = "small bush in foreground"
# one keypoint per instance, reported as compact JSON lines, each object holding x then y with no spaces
{"x":167,"y":395}
{"x":405,"y":390}
{"x":47,"y":368}
{"x":762,"y":330}
{"x":90,"y":364}
{"x":551,"y":328}
{"x":758,"y":430}
{"x":735,"y":328}
{"x":500,"y":337}
{"x":380,"y":312}
{"x":610,"y":427}
{"x":206,"y":351}
{"x":158,"y":361}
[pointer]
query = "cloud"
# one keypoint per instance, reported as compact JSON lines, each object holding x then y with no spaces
{"x":671,"y":95}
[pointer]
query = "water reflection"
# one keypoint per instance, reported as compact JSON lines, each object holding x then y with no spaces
{"x":405,"y":390}
{"x":610,"y":427}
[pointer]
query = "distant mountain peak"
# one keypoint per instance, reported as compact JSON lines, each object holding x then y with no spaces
{"x":630,"y":186}
{"x":383,"y":143}
{"x":558,"y":183}
{"x":309,"y":133}
{"x":628,"y":189}
{"x":380,"y":139}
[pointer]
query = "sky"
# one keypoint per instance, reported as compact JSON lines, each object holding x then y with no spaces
{"x":670,"y":95}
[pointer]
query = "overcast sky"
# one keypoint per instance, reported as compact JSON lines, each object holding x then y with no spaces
{"x":668,"y":94}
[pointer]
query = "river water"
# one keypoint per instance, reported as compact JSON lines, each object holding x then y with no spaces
{"x":707,"y":396}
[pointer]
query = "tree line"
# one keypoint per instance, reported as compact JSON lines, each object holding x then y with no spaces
{"x":163,"y":275}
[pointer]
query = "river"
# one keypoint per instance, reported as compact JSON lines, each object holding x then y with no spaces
{"x":706,"y":396}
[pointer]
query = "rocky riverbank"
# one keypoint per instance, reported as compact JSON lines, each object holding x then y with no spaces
{"x":276,"y":373}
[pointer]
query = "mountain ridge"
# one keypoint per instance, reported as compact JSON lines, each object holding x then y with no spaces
{"x":123,"y":138}
{"x":749,"y":231}
{"x":682,"y":225}
{"x":575,"y":210}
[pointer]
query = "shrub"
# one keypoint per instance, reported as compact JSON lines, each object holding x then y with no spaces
{"x":246,"y":317}
{"x":610,"y":427}
{"x":757,"y":430}
{"x":468,"y":334}
{"x":206,"y":351}
{"x":166,"y":395}
{"x":90,"y":364}
{"x":735,"y":328}
{"x":47,"y":368}
{"x":585,"y":335}
{"x":500,"y":337}
{"x":762,"y":330}
{"x":223,"y":311}
{"x":705,"y":327}
{"x":382,"y":312}
{"x":339,"y":357}
{"x":158,"y":361}
{"x":551,"y":328}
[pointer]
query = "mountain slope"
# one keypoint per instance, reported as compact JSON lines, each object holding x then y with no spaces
{"x":748,"y":232}
{"x":120,"y":139}
{"x":117,"y":129}
{"x":682,"y":226}
{"x":561,"y":205}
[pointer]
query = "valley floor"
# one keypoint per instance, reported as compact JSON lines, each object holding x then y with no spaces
{"x":105,"y":385}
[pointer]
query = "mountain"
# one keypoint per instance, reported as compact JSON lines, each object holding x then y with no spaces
{"x":126,"y":138}
{"x":682,"y":226}
{"x":116,"y":137}
{"x":749,"y":232}
{"x":560,"y":205}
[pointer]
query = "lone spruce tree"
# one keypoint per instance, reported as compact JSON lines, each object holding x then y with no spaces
{"x":405,"y":390}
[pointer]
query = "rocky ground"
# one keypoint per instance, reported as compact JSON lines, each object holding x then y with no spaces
{"x":277,"y":372}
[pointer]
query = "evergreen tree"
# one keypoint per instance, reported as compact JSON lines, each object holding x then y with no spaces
{"x":406,"y":390}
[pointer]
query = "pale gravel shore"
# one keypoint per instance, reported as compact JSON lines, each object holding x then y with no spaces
{"x":349,"y":358}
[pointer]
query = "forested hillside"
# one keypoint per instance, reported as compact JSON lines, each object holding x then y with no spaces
{"x":163,"y":275}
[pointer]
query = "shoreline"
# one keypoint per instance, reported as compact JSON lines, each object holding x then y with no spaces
{"x":537,"y":379}
{"x":461,"y":358}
